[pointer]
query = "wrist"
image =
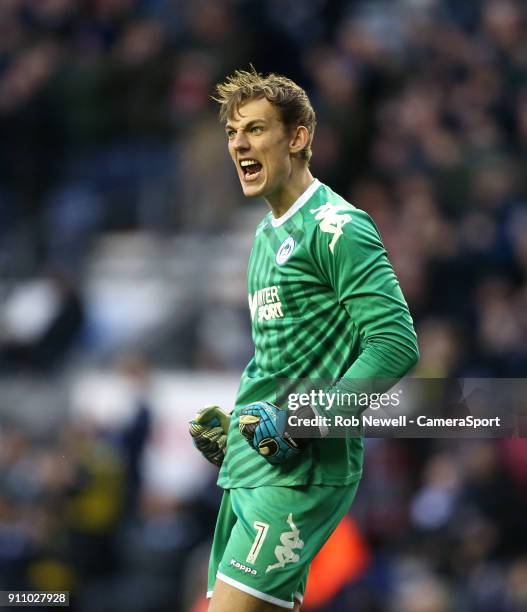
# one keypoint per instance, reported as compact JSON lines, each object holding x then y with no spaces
{"x":305,"y":425}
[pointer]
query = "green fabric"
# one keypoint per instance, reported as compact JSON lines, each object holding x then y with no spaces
{"x":330,"y":308}
{"x":283,"y":528}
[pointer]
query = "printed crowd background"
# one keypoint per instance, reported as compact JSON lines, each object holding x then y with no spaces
{"x":123,"y":242}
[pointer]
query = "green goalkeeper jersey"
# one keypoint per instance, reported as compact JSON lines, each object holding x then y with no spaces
{"x":325,"y":304}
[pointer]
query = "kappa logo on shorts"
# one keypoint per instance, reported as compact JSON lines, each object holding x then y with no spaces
{"x":290,"y":540}
{"x":243,"y":568}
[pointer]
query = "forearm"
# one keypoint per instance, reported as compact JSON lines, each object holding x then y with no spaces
{"x":380,"y":365}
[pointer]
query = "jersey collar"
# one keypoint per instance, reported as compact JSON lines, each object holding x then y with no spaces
{"x":297,"y":205}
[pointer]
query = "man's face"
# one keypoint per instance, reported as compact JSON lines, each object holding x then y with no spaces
{"x":259,"y":147}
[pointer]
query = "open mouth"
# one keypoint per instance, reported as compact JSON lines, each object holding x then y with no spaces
{"x":251,"y":169}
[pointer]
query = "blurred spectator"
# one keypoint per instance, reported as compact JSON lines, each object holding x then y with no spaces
{"x":40,"y":322}
{"x":133,"y":437}
{"x":423,"y":595}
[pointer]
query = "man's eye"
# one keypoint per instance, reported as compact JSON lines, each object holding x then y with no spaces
{"x":231,"y":133}
{"x":257,"y":129}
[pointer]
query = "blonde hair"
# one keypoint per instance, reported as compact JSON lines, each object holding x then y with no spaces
{"x":291,"y":100}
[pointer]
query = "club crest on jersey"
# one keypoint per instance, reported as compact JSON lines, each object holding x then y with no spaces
{"x":285,"y":251}
{"x":331,"y":221}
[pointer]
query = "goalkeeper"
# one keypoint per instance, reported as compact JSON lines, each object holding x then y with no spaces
{"x":324,"y":304}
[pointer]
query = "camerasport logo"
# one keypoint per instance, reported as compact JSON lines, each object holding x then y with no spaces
{"x":243,"y":568}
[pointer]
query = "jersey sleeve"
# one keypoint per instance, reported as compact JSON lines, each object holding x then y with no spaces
{"x":351,"y":258}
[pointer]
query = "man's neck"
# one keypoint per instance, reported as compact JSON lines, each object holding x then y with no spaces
{"x":282,"y":201}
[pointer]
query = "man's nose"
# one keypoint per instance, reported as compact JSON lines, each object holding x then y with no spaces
{"x":240,"y":141}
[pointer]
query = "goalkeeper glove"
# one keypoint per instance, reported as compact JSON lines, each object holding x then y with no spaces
{"x":265,"y":427}
{"x":209,"y":433}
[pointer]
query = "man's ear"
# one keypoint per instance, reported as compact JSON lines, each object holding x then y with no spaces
{"x":299,"y":140}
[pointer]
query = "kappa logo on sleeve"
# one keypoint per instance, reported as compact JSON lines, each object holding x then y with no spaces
{"x":331,"y":221}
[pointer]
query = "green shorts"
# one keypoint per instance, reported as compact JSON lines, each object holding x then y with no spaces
{"x":266,"y":537}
